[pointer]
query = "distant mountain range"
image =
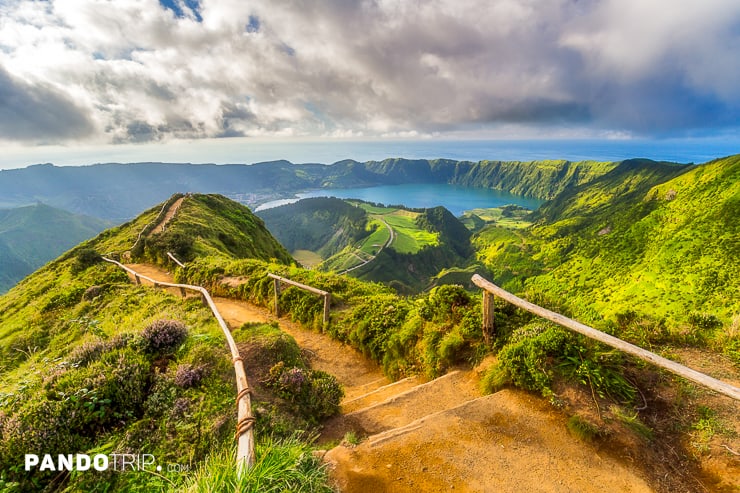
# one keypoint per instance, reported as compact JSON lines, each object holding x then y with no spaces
{"x":119,"y":192}
{"x":33,"y":235}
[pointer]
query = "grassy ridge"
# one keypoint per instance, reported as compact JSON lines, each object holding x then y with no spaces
{"x":212,"y":224}
{"x":85,"y":366}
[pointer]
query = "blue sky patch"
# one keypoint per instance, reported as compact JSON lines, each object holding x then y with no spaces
{"x":178,"y":8}
{"x":254,"y":24}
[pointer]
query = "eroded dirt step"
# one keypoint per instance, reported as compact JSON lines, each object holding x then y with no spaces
{"x":405,"y":407}
{"x":505,"y":442}
{"x":380,"y":394}
{"x":348,"y":365}
{"x":357,"y":391}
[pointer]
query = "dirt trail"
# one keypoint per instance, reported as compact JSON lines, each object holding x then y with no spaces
{"x":350,"y":367}
{"x":441,"y":435}
{"x":505,"y":442}
{"x":168,"y":216}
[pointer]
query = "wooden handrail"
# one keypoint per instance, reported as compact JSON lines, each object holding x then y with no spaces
{"x":324,"y":294}
{"x":174,"y":259}
{"x":672,"y":366}
{"x":245,"y":421}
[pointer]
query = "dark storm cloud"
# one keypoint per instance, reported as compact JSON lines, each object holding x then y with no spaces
{"x":38,"y":113}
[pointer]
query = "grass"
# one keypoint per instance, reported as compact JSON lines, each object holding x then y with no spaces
{"x":510,"y":217}
{"x":282,"y":465}
{"x":377,"y":239}
{"x":410,"y":238}
{"x":351,"y":438}
{"x":307,"y":258}
{"x":582,"y":429}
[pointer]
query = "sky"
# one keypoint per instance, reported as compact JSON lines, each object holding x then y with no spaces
{"x":97,"y":80}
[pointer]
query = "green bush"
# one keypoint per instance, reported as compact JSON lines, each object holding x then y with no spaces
{"x":538,"y":352}
{"x":313,"y":393}
{"x":91,"y":351}
{"x":84,"y":258}
{"x":65,"y":299}
{"x":527,"y":360}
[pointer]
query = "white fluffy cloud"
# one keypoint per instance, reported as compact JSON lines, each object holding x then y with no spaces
{"x":142,"y":70}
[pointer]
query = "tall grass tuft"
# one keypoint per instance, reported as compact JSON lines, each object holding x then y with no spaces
{"x":281,"y":465}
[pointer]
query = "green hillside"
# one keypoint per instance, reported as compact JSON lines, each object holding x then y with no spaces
{"x":346,"y":234}
{"x":647,"y":239}
{"x":324,"y":225}
{"x":213,"y":225}
{"x":92,"y":363}
{"x":31,"y":236}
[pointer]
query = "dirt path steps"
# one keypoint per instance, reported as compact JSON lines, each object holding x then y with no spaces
{"x":505,"y":442}
{"x":442,"y":435}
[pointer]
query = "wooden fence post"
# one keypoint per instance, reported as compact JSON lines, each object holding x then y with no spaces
{"x":276,"y":283}
{"x":489,"y":317}
{"x":320,"y":292}
{"x":327,"y":302}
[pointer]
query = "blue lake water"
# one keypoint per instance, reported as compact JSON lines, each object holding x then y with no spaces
{"x":455,"y":198}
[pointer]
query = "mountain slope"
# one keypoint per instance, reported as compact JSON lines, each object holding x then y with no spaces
{"x":31,"y":236}
{"x":406,"y":248}
{"x":89,"y":361}
{"x":208,"y":225}
{"x":324,"y":225}
{"x":647,"y":237}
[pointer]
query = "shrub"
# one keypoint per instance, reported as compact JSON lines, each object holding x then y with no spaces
{"x":313,"y":393}
{"x":164,"y":336}
{"x":446,"y":304}
{"x":303,"y":307}
{"x":64,"y":299}
{"x":161,"y":398}
{"x":85,"y":257}
{"x":91,"y":351}
{"x":187,"y":375}
{"x":524,"y":360}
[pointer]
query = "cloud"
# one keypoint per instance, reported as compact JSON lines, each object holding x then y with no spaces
{"x":146,"y":70}
{"x":36,"y":112}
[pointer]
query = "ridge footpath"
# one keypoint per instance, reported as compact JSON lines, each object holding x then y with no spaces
{"x":439,"y":435}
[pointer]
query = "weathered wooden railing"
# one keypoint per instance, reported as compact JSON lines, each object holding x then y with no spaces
{"x":174,"y":259}
{"x":245,"y":420}
{"x":491,"y":289}
{"x":324,"y":294}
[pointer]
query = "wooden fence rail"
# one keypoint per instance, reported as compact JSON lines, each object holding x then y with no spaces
{"x":245,"y":420}
{"x":324,"y":294}
{"x":672,"y":366}
{"x":174,"y":259}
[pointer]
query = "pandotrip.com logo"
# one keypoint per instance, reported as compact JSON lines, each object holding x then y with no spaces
{"x":98,"y":462}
